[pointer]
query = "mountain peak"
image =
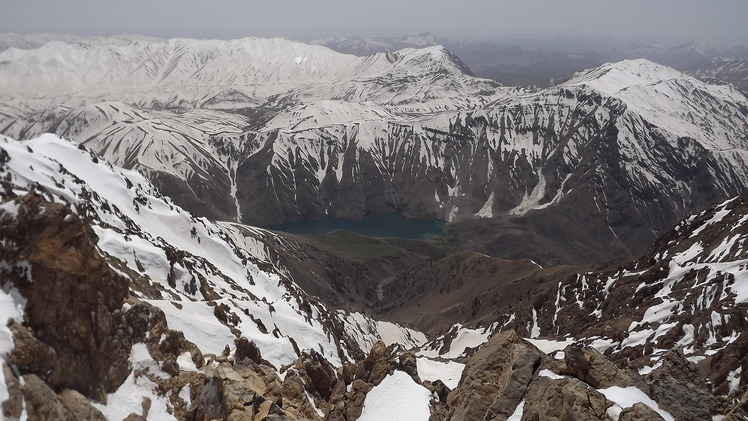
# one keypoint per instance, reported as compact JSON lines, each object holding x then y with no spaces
{"x":614,"y":77}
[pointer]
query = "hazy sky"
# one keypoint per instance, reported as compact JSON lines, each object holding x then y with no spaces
{"x":722,"y":22}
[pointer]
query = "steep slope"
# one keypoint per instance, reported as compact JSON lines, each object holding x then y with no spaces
{"x":608,"y":160}
{"x":67,"y":210}
{"x":185,"y":112}
{"x":631,"y":138}
{"x":686,"y":294}
{"x":733,"y":70}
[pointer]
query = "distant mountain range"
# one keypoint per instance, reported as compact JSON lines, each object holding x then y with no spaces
{"x":527,"y":63}
{"x":273,"y":131}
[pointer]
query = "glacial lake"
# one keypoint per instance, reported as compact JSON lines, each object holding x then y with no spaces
{"x":392,"y":225}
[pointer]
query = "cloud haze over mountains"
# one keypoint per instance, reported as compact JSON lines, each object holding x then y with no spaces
{"x":662,"y":21}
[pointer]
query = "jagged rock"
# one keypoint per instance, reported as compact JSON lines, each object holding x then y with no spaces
{"x":438,"y":387}
{"x":73,"y":304}
{"x":41,"y":402}
{"x":675,"y":364}
{"x":13,"y":406}
{"x":563,"y":399}
{"x":717,"y":368}
{"x":29,"y":354}
{"x":240,"y":401}
{"x":375,"y":366}
{"x":523,"y":370}
{"x":247,"y":349}
{"x":248,"y":391}
{"x":681,"y":400}
{"x":295,"y":401}
{"x":321,"y":374}
{"x":640,"y":412}
{"x":79,"y":407}
{"x":170,"y":365}
{"x":355,"y":401}
{"x":407,"y":362}
{"x":592,"y":367}
{"x":494,"y":379}
{"x":209,"y":403}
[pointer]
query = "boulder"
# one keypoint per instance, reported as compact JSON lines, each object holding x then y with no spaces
{"x":41,"y":402}
{"x":79,"y":407}
{"x":494,"y":379}
{"x":408,"y":363}
{"x":566,"y":399}
{"x":590,"y":366}
{"x":640,"y":412}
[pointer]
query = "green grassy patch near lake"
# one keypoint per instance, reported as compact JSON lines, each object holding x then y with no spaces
{"x":354,"y":246}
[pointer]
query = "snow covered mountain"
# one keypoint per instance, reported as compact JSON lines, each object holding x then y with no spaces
{"x":113,"y":251}
{"x":733,"y":70}
{"x":609,"y":159}
{"x":122,"y":303}
{"x":683,"y":303}
{"x":186,"y":73}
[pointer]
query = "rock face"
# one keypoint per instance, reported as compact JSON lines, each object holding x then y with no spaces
{"x":72,"y":334}
{"x":495,"y":379}
{"x":567,"y":399}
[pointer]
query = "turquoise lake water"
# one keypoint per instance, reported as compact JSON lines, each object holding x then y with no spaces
{"x":393,"y":225}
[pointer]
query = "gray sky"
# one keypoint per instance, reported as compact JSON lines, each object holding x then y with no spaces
{"x":722,"y":22}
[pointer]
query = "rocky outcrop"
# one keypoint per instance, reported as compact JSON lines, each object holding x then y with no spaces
{"x":73,"y":332}
{"x":590,"y":366}
{"x":42,"y":404}
{"x":640,"y":412}
{"x":495,"y":379}
{"x":563,"y":399}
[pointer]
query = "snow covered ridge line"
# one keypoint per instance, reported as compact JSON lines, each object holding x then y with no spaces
{"x":188,"y":73}
{"x":184,"y":259}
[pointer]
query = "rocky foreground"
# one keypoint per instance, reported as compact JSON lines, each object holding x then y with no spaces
{"x":108,"y":320}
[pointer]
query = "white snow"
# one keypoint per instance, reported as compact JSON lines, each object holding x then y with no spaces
{"x":185,"y":362}
{"x":397,"y":398}
{"x":449,"y":372}
{"x":487,"y":210}
{"x":11,"y":307}
{"x":464,"y":338}
{"x":9,"y":208}
{"x":535,"y":330}
{"x":129,"y":397}
{"x":625,"y":397}
{"x":551,"y":375}
{"x":518,"y":411}
{"x":392,"y":333}
{"x":550,"y":346}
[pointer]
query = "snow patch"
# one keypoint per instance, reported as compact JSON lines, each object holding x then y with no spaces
{"x":448,"y":372}
{"x":625,"y":397}
{"x":397,"y":398}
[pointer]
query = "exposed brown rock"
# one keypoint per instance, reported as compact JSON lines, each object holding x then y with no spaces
{"x":566,"y":399}
{"x":494,"y":379}
{"x":592,"y":367}
{"x":29,"y":354}
{"x":41,"y":402}
{"x":295,"y":400}
{"x":376,"y":365}
{"x":407,"y":362}
{"x":13,"y":406}
{"x":640,"y":412}
{"x":79,"y":407}
{"x":73,"y":304}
